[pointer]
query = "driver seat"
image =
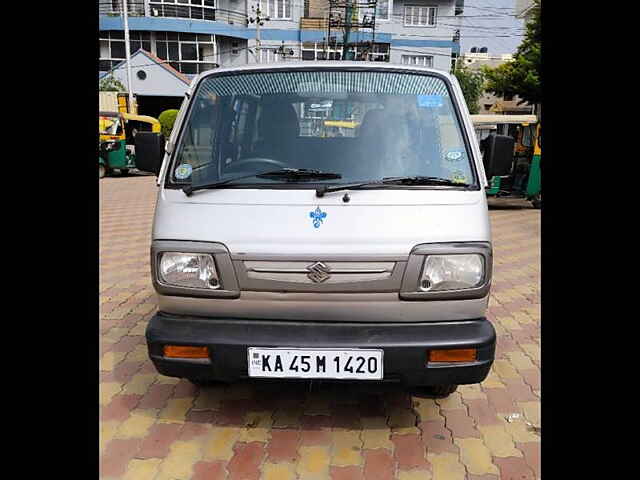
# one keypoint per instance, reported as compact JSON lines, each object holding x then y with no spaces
{"x":278,"y":130}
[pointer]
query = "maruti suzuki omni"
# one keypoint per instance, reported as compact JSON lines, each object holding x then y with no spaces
{"x":322,"y":220}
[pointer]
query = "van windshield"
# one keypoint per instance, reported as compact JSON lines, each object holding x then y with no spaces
{"x":358,"y":124}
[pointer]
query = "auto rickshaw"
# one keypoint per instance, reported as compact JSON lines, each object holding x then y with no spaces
{"x":524,"y":181}
{"x":116,"y":134}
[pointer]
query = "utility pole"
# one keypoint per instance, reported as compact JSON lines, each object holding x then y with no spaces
{"x":259,"y":21}
{"x":351,"y":20}
{"x":346,"y":53}
{"x":127,"y":47}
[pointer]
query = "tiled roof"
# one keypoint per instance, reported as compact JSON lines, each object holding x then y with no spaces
{"x":165,"y":65}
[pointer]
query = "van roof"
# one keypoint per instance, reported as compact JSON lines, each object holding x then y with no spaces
{"x":300,"y":64}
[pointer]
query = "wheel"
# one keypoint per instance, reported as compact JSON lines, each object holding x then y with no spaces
{"x":537,"y":201}
{"x":438,"y":391}
{"x":102,"y":171}
{"x":442,"y":390}
{"x":199,"y":382}
{"x":124,"y":172}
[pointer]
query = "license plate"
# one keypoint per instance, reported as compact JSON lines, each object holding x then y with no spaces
{"x":352,"y":364}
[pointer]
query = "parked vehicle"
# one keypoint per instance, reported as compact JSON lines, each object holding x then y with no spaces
{"x":524,"y":179}
{"x":281,"y":255}
{"x":116,"y":132}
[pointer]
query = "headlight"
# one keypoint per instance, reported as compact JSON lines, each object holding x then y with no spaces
{"x":451,"y":272}
{"x":192,"y":270}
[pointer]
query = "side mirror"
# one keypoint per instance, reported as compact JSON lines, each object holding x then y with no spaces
{"x":498,"y":155}
{"x":149,"y":151}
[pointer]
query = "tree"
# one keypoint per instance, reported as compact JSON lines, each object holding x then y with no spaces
{"x":522,"y":75}
{"x":472,"y":85}
{"x":111,"y":84}
{"x":167,"y":119}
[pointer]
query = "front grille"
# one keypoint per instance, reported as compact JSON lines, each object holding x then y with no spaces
{"x":319,"y":272}
{"x":319,"y":275}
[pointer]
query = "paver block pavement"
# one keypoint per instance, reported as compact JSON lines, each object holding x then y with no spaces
{"x":152,"y":426}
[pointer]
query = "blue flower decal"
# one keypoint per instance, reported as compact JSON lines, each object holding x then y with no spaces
{"x":318,"y":216}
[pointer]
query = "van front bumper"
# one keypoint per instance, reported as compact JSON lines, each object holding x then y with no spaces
{"x":405,"y":345}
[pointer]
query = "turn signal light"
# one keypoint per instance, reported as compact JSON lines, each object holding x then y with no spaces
{"x":453,"y":355}
{"x":183,"y":351}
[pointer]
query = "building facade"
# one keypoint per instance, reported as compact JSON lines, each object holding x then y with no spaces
{"x":193,"y":36}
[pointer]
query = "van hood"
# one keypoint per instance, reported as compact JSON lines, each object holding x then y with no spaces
{"x":296,"y":222}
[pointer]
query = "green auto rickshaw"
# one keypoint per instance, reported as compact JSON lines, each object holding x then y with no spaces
{"x":524,"y":181}
{"x":116,"y":135}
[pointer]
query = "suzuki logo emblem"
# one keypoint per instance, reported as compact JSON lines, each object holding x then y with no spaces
{"x":318,"y":272}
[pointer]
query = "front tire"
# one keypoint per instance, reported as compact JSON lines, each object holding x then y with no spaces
{"x":537,"y":201}
{"x":198,"y":382}
{"x":437,"y":391}
{"x":102,"y":171}
{"x":443,"y":390}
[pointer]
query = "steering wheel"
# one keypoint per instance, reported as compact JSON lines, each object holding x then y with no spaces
{"x":257,"y":160}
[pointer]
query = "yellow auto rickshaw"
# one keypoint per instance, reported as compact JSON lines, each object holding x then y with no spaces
{"x":116,"y":132}
{"x":525,"y":178}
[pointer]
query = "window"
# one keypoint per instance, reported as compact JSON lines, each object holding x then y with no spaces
{"x":378,"y":52}
{"x":415,"y":16}
{"x":188,"y":52}
{"x":321,"y":51}
{"x":112,"y":47}
{"x":383,"y":9}
{"x":422,"y":60}
{"x":269,"y":55}
{"x":276,"y":9}
{"x":114,"y":7}
{"x":196,"y":9}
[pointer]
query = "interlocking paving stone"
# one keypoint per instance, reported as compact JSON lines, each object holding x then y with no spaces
{"x":152,"y":426}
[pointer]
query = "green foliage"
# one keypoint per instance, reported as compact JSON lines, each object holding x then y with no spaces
{"x":167,"y":119}
{"x":111,"y":84}
{"x":521,"y":76}
{"x":472,"y":85}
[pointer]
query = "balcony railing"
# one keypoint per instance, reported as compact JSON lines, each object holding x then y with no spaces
{"x":197,"y":12}
{"x":232,"y":17}
{"x":203,"y":11}
{"x":135,"y":8}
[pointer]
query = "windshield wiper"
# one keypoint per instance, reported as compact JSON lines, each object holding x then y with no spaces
{"x":410,"y":180}
{"x":296,"y":173}
{"x":289,"y":173}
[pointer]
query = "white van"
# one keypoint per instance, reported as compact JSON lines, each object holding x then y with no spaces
{"x":322,"y":220}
